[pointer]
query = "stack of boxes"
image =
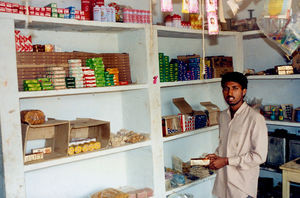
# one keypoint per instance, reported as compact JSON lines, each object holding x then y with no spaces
{"x":194,"y":68}
{"x":89,"y":79}
{"x":31,"y":85}
{"x":70,"y":82}
{"x":97,"y":65}
{"x":182,"y":70}
{"x":109,"y":79}
{"x":161,"y":67}
{"x":52,"y":7}
{"x":45,"y":83}
{"x":115,"y":72}
{"x":75,"y":71}
{"x":57,"y":76}
{"x":23,"y":43}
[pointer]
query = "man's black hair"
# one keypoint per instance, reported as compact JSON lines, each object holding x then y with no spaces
{"x":235,"y":77}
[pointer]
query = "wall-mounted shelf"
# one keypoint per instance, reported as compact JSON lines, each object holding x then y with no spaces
{"x":85,"y":156}
{"x":58,"y":24}
{"x":273,"y":77}
{"x":190,"y":133}
{"x":77,"y":91}
{"x":190,"y":82}
{"x":283,"y":123}
{"x":173,"y":32}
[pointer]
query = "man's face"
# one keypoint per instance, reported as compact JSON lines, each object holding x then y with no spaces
{"x":233,"y":93}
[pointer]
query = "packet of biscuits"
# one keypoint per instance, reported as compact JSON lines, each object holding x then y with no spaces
{"x":200,"y":161}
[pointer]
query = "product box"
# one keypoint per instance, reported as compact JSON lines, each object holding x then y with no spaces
{"x":213,"y":112}
{"x":54,"y":132}
{"x":90,"y":128}
{"x":187,"y":114}
{"x":171,"y":125}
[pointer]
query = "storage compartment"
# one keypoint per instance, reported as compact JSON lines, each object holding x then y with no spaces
{"x":54,"y":132}
{"x":90,"y":128}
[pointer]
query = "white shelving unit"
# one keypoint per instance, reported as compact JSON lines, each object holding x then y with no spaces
{"x":138,"y":106}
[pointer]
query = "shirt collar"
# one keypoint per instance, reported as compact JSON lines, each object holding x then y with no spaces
{"x":242,"y":107}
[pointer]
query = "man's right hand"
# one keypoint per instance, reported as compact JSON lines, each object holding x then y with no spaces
{"x":211,"y":157}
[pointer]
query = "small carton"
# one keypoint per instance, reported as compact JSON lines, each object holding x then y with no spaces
{"x":213,"y":112}
{"x":90,"y":128}
{"x":187,"y":115}
{"x":54,"y":132}
{"x":171,"y":125}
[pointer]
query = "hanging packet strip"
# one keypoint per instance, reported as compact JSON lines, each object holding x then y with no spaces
{"x":166,"y":6}
{"x":213,"y":27}
{"x":193,"y":6}
{"x":212,"y":18}
{"x":211,"y":5}
{"x":185,"y":6}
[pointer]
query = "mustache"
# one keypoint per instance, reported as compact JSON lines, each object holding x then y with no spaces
{"x":230,"y":97}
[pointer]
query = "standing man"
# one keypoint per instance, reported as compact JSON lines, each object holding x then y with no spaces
{"x":243,"y":142}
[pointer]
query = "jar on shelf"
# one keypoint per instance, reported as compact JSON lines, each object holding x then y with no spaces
{"x":168,"y":21}
{"x":176,"y":20}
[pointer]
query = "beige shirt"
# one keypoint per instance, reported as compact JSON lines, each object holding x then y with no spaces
{"x":244,"y":140}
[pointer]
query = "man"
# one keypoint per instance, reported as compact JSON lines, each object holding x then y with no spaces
{"x":243,"y":142}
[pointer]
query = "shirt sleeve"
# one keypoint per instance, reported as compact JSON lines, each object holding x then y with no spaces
{"x":259,"y":147}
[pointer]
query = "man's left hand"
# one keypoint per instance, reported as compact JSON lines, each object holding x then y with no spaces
{"x":218,"y":163}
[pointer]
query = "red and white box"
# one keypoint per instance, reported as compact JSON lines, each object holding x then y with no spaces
{"x":187,"y":122}
{"x":48,"y":9}
{"x":2,"y":4}
{"x":60,"y":10}
{"x":66,"y":11}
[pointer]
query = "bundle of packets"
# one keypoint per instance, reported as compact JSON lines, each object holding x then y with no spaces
{"x":115,"y":72}
{"x":75,"y":71}
{"x":109,"y":79}
{"x":31,"y":85}
{"x":89,"y":79}
{"x":45,"y":83}
{"x":57,"y":75}
{"x":70,"y":82}
{"x":97,"y":65}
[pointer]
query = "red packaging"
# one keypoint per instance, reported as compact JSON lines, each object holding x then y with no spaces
{"x":15,"y":5}
{"x":31,"y":12}
{"x":77,"y":12}
{"x":47,"y":14}
{"x":123,"y":82}
{"x":20,"y":12}
{"x":77,"y":17}
{"x":43,"y":10}
{"x":60,"y":10}
{"x":66,"y":11}
{"x":8,"y":5}
{"x":48,"y":9}
{"x":31,"y":8}
{"x":81,"y":13}
{"x":42,"y":13}
{"x":2,"y":9}
{"x":37,"y":9}
{"x":15,"y":10}
{"x":9,"y":10}
{"x":37,"y":13}
{"x":87,"y":10}
{"x":99,"y":3}
{"x":82,"y":18}
{"x":2,"y":4}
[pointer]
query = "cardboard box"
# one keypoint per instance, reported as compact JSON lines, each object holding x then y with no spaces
{"x":187,"y":119}
{"x":90,"y":128}
{"x":56,"y":134}
{"x":171,"y":125}
{"x":213,"y":111}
